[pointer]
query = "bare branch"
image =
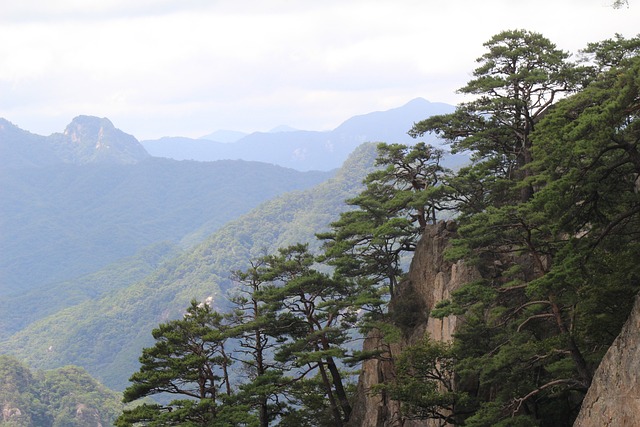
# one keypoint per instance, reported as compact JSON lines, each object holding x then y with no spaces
{"x":537,"y":316}
{"x":543,"y":387}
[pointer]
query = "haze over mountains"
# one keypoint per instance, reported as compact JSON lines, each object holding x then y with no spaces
{"x":301,"y":149}
{"x":101,"y":240}
{"x":78,"y":200}
{"x":104,"y":332}
{"x":75,"y":210}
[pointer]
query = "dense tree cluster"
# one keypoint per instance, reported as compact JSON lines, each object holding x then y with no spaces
{"x":286,"y":333}
{"x":549,"y":211}
{"x":66,"y":396}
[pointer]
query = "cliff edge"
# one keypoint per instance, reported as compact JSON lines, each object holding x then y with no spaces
{"x":614,"y":396}
{"x":431,"y":279}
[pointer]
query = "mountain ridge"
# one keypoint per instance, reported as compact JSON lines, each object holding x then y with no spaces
{"x":304,"y":149}
{"x":65,"y":220}
{"x":105,"y":335}
{"x":86,"y":140}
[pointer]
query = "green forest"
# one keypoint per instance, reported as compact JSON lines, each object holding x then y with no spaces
{"x":548,"y":210}
{"x":66,"y":396}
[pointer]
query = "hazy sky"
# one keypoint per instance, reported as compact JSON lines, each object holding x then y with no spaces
{"x":190,"y":67}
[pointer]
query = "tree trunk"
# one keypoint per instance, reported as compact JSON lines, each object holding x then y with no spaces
{"x":581,"y":364}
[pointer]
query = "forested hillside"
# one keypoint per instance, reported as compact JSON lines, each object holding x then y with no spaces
{"x":19,"y":311}
{"x":67,"y":212}
{"x":65,"y":396}
{"x":64,"y":221}
{"x":105,"y":334}
{"x":548,"y":213}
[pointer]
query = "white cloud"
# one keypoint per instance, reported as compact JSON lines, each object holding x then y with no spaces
{"x":188,"y":67}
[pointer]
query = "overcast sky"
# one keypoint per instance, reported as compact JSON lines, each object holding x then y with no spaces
{"x":190,"y":67}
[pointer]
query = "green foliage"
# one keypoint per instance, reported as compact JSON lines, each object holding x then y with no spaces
{"x":315,"y":310}
{"x":425,"y":383}
{"x":188,"y":360}
{"x":389,"y":215}
{"x":518,"y":79}
{"x":66,"y":396}
{"x":287,"y":330}
{"x":550,"y":215}
{"x":106,"y":334}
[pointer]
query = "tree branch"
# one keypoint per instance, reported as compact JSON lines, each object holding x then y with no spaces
{"x":617,"y":220}
{"x":536,"y":316}
{"x":543,"y":387}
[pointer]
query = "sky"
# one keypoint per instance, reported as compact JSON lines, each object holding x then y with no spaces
{"x":190,"y":67}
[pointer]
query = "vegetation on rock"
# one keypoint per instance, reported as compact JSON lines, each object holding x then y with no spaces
{"x":549,"y":212}
{"x":65,"y":396}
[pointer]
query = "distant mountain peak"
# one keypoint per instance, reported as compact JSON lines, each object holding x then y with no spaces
{"x":89,"y":139}
{"x":83,"y":129}
{"x":302,"y":149}
{"x":418,"y":102}
{"x":89,"y":122}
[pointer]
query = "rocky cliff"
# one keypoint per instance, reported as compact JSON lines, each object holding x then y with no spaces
{"x":614,"y":396}
{"x":90,"y":139}
{"x":612,"y":400}
{"x":431,"y":279}
{"x":86,"y":140}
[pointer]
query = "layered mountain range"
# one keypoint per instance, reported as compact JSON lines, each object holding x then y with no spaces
{"x":101,"y":241}
{"x":306,"y":150}
{"x":92,"y":195}
{"x":86,"y":140}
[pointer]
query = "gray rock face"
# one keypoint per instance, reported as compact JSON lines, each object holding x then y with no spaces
{"x":86,"y":140}
{"x":431,"y":279}
{"x":90,"y":139}
{"x":613,"y":400}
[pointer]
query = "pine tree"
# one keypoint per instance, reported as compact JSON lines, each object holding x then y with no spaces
{"x":189,"y":360}
{"x":390,"y":214}
{"x":311,"y":304}
{"x":550,"y":214}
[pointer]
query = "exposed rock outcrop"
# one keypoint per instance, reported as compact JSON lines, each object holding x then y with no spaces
{"x":612,"y":400}
{"x":431,"y":279}
{"x":11,"y":414}
{"x":88,"y":416}
{"x":90,"y":139}
{"x":614,"y":396}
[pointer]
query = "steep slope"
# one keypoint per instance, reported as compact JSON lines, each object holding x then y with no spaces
{"x":614,"y":396}
{"x":105,"y":335}
{"x":307,"y":150}
{"x":612,"y":400}
{"x":431,"y":278}
{"x":63,"y":397}
{"x":60,"y":222}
